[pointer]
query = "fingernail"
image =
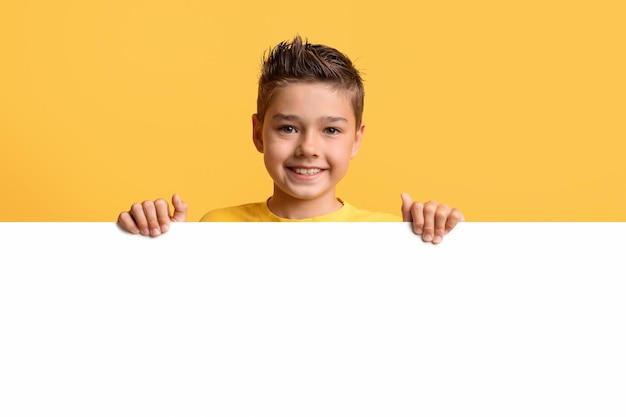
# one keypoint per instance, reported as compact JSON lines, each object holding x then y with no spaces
{"x":427,"y":237}
{"x":156,"y":232}
{"x":145,"y":232}
{"x":437,"y":239}
{"x":165,"y":228}
{"x":418,"y":230}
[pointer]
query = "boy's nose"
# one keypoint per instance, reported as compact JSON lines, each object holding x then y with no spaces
{"x":308,"y":145}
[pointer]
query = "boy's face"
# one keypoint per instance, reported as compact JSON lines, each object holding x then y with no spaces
{"x":308,"y":137}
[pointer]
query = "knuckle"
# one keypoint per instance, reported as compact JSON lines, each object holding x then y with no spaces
{"x":162,"y":209}
{"x":417,"y":207}
{"x":442,"y":215}
{"x":430,"y":207}
{"x":126,"y":222}
{"x":456,"y":214}
{"x":123,"y":219}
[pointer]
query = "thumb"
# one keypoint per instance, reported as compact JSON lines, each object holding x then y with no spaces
{"x":180,"y":209}
{"x":407,"y":203}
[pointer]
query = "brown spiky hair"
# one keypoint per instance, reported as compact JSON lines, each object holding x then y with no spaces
{"x":300,"y":61}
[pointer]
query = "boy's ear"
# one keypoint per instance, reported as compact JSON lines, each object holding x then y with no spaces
{"x":357,"y":140}
{"x":257,"y":133}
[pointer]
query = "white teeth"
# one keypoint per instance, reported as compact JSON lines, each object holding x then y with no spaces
{"x":309,"y":171}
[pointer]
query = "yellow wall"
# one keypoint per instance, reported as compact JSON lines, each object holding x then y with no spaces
{"x":511,"y":111}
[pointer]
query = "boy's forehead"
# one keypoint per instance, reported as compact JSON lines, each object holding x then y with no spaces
{"x":311,"y":98}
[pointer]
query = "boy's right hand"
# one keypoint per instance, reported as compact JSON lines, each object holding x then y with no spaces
{"x":152,"y":218}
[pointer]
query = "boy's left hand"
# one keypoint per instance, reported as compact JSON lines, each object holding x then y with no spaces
{"x":431,"y":219}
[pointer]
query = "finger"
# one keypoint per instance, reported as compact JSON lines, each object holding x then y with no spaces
{"x":180,"y":209}
{"x":126,"y":222}
{"x":429,"y":211}
{"x":454,"y":218}
{"x":151,"y":217}
{"x":407,"y":202}
{"x":417,"y":213}
{"x":139,"y":217}
{"x":441,"y":217}
{"x":163,"y":214}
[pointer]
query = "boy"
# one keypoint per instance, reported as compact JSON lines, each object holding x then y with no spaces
{"x":308,"y":126}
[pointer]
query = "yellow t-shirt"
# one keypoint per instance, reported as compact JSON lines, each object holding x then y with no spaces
{"x":259,"y":212}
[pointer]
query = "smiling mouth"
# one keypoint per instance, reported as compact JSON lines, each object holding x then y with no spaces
{"x":306,"y":171}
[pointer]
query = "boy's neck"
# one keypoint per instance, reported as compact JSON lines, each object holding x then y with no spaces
{"x":288,"y":207}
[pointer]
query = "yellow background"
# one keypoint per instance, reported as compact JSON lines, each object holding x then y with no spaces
{"x":511,"y":111}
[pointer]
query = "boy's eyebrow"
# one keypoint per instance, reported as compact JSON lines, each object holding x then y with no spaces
{"x":291,"y":117}
{"x":281,"y":116}
{"x":334,"y":119}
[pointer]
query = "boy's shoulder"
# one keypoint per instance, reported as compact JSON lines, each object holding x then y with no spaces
{"x":350,"y":213}
{"x":250,"y":212}
{"x":259,"y":212}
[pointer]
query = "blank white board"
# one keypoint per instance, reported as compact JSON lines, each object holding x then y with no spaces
{"x":302,"y":319}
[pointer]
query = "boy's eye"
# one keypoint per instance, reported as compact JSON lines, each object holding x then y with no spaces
{"x":286,"y":129}
{"x":332,"y":130}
